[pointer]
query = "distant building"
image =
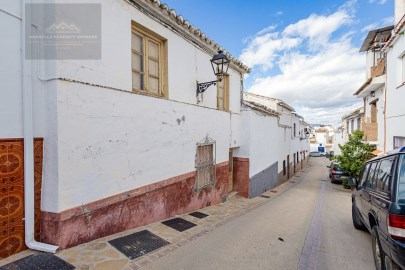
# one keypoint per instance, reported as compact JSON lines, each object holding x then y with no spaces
{"x":274,"y":143}
{"x":321,"y":138}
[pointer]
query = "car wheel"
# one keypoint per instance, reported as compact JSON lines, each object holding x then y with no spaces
{"x":357,"y":222}
{"x":378,"y":253}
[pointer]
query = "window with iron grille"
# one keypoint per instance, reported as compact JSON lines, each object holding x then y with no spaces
{"x":205,"y":164}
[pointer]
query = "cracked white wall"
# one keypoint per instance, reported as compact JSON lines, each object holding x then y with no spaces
{"x":99,"y":142}
{"x":110,"y":142}
{"x":113,"y":141}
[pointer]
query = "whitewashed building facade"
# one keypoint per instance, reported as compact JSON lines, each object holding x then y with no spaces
{"x":395,"y":96}
{"x":274,"y":145}
{"x":373,"y":90}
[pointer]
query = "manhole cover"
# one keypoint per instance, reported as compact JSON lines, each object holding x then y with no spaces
{"x":179,"y":224}
{"x":198,"y":215}
{"x":265,"y":196}
{"x":138,"y":244}
{"x":38,"y":261}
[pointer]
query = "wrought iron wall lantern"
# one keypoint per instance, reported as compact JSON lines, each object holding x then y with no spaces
{"x":220,"y":64}
{"x":306,"y":136}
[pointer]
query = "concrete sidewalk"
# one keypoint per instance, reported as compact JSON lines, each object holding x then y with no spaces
{"x":100,"y":254}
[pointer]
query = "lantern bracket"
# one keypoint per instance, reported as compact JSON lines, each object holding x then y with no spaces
{"x":201,"y":87}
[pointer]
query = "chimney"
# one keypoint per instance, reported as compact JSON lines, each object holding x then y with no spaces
{"x":399,"y":10}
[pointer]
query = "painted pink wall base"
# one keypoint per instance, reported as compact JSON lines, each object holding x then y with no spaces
{"x":131,"y":209}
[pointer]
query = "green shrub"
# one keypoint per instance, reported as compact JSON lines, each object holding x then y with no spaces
{"x":354,"y":153}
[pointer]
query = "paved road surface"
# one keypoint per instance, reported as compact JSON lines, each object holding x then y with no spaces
{"x":313,"y":218}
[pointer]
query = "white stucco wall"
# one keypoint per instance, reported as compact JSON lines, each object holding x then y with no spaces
{"x":187,"y":64}
{"x":11,"y":99}
{"x":98,"y":141}
{"x":262,"y":139}
{"x":339,"y":138}
{"x":265,"y":142}
{"x":395,"y":92}
{"x":110,"y":142}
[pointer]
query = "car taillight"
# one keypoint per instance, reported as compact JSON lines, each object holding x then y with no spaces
{"x":396,"y":226}
{"x":333,"y":170}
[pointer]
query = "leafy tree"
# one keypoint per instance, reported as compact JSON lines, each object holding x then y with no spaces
{"x":354,"y":153}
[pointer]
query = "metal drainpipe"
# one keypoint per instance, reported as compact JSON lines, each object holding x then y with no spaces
{"x":385,"y":104}
{"x":29,"y":143}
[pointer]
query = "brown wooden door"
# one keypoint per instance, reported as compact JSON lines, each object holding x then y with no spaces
{"x":12,"y":194}
{"x":230,"y":179}
{"x":373,"y":112}
{"x":11,"y":198}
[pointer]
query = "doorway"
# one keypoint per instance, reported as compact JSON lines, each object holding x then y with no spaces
{"x":230,"y":179}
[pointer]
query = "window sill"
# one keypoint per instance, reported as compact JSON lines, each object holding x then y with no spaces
{"x":140,"y":92}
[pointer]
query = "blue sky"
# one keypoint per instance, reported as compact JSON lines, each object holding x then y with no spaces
{"x":304,"y":52}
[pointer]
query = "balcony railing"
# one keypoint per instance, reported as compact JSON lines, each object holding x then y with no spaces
{"x":378,"y":69}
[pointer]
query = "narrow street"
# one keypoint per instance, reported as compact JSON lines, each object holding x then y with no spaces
{"x":307,"y":227}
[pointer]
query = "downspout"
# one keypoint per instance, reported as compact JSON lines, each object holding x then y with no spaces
{"x":29,"y":198}
{"x":385,"y":104}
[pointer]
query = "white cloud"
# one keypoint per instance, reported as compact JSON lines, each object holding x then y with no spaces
{"x":381,"y":2}
{"x":319,"y":67}
{"x":384,"y":22}
{"x":279,"y":13}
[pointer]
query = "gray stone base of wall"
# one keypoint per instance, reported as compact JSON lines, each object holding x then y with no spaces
{"x":263,"y":181}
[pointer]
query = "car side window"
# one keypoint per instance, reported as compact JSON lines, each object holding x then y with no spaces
{"x":401,"y":180}
{"x":364,"y":174}
{"x":383,"y":175}
{"x":374,"y":177}
{"x":368,"y":183}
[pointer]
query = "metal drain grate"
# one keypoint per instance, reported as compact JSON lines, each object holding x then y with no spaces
{"x":179,"y":224}
{"x":265,"y":196}
{"x":39,"y":261}
{"x":198,"y":215}
{"x":138,"y":244}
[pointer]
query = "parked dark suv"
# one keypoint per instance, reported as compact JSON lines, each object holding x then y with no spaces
{"x":335,"y":173}
{"x":378,"y":204}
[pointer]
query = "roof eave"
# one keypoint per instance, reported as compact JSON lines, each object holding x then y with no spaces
{"x":161,"y":12}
